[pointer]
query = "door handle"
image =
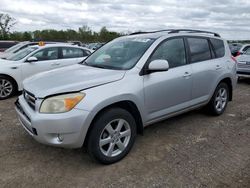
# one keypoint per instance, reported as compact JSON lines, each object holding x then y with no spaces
{"x":55,"y":63}
{"x":187,"y":74}
{"x":218,"y":67}
{"x":14,"y":67}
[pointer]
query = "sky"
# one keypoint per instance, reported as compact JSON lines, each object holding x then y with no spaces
{"x":230,"y":18}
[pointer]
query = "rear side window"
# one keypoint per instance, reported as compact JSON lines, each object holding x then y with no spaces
{"x":199,"y":49}
{"x":68,"y":52}
{"x":219,"y":47}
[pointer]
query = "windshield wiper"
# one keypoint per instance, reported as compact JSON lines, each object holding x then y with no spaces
{"x":99,"y":66}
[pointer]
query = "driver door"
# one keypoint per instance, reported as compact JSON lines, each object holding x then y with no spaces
{"x":169,"y":91}
{"x":47,"y":60}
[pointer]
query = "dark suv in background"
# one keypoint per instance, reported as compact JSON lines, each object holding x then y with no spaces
{"x":4,"y":45}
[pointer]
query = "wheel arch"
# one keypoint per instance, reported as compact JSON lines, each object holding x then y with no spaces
{"x":229,"y":83}
{"x":128,"y":105}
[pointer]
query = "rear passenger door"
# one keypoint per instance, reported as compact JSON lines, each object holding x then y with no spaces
{"x":72,"y":55}
{"x":169,"y":91}
{"x":207,"y":66}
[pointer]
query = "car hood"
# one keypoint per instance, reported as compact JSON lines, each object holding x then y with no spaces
{"x":69,"y":79}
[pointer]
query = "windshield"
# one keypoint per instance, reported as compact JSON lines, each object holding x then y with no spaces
{"x":15,"y":47}
{"x":120,"y":54}
{"x":21,"y":54}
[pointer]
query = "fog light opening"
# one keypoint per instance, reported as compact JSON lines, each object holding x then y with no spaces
{"x":60,"y":138}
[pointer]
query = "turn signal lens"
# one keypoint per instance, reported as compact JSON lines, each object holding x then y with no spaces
{"x":61,"y":103}
{"x":72,"y":102}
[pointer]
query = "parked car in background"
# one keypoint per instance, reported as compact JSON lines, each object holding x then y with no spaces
{"x":77,"y":43}
{"x":92,"y":45}
{"x":95,"y":46}
{"x":243,"y":62}
{"x":243,"y":49}
{"x":131,"y":82}
{"x":235,"y":47}
{"x":16,"y":48}
{"x":35,"y":59}
{"x":4,"y":45}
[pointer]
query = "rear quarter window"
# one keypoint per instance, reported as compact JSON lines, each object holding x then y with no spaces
{"x":219,"y":48}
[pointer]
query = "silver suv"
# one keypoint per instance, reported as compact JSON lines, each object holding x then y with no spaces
{"x":129,"y":83}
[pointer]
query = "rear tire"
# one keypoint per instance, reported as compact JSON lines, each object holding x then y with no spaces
{"x":112,"y":135}
{"x":7,"y":87}
{"x":219,"y":101}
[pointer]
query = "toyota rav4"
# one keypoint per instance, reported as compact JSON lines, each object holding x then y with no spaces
{"x":129,"y":83}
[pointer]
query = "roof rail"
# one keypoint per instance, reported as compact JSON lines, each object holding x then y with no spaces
{"x":147,"y":32}
{"x":193,"y":31}
{"x":170,"y":31}
{"x":139,"y":32}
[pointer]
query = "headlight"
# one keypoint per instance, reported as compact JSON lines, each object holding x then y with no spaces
{"x":61,"y":103}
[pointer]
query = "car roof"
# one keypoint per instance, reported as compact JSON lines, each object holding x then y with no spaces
{"x":58,"y":45}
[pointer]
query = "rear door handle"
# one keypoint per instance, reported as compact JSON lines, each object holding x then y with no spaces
{"x":187,"y":74}
{"x":218,"y":67}
{"x":57,"y":63}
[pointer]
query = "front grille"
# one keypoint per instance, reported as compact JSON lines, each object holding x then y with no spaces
{"x":19,"y":107}
{"x":30,"y":99}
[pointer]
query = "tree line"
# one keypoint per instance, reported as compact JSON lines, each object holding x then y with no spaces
{"x":84,"y":33}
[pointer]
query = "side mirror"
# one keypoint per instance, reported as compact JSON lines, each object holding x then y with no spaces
{"x":31,"y":59}
{"x":158,"y":65}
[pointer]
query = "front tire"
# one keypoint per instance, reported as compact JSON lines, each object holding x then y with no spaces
{"x":7,"y":87}
{"x":112,"y":135}
{"x":219,"y":101}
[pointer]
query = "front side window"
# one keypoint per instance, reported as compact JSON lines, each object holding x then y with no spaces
{"x":219,"y":47}
{"x":120,"y":54}
{"x":68,"y":52}
{"x":46,"y":54}
{"x":199,"y":49}
{"x":173,"y":51}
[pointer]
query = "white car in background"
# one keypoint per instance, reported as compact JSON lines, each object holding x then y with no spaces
{"x":35,"y":59}
{"x":243,"y":63}
{"x":20,"y":46}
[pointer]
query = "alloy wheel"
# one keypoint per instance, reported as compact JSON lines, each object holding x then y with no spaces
{"x":221,"y":99}
{"x":115,"y":137}
{"x":6,"y":88}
